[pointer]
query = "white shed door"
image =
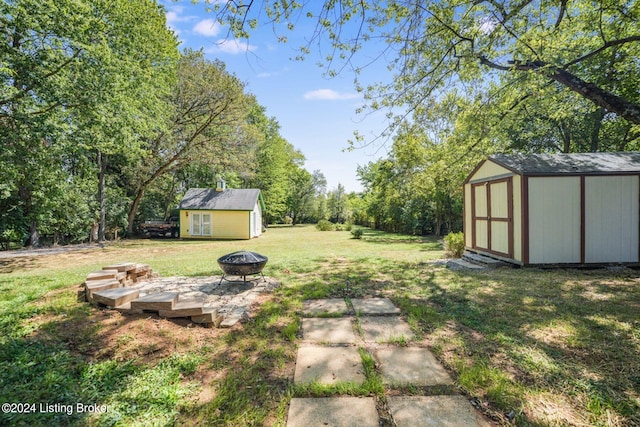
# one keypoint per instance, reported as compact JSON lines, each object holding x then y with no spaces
{"x":611,"y":219}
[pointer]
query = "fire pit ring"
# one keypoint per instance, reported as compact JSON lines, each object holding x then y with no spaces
{"x":242,"y":263}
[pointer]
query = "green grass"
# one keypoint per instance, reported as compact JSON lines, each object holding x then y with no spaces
{"x":553,"y":347}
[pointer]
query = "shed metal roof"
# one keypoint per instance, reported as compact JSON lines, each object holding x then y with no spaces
{"x":570,"y":164}
{"x":227,"y":200}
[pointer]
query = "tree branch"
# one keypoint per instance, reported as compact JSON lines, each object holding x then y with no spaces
{"x":611,"y":102}
{"x":607,"y":45}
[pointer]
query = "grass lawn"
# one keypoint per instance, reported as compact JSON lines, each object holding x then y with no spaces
{"x":533,"y":347}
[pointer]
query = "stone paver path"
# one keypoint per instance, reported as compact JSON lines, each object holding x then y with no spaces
{"x":333,"y":411}
{"x":328,"y":365}
{"x":403,"y":366}
{"x":328,"y":330}
{"x":330,"y":354}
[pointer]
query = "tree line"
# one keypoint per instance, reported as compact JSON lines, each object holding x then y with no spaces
{"x":467,"y":79}
{"x":104,"y":123}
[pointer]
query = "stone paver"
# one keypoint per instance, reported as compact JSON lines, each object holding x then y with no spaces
{"x":374,"y":306}
{"x":320,"y":359}
{"x":328,"y":365}
{"x":333,"y":411}
{"x":411,"y":366}
{"x":436,"y":411}
{"x":384,"y":329}
{"x":318,"y":307}
{"x":328,"y":330}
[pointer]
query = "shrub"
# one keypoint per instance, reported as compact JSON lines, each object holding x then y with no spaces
{"x":454,"y":244}
{"x":357,"y":233}
{"x":324,"y":225}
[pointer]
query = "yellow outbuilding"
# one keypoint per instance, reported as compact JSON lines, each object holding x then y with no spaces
{"x":555,"y":208}
{"x":221,"y":213}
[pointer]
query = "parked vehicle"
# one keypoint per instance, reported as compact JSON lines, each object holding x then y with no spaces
{"x":161,"y":228}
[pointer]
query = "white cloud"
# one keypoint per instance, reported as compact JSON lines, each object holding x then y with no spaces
{"x":231,"y":46}
{"x":174,"y":17}
{"x":207,"y":27}
{"x":330,"y":95}
{"x":267,"y":74}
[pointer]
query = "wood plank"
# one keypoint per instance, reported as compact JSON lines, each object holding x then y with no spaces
{"x":115,"y":297}
{"x":210,"y":315}
{"x":184,"y":308}
{"x":121,"y":267}
{"x":161,"y":301}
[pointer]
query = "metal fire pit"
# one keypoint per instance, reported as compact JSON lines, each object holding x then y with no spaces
{"x":242,"y":263}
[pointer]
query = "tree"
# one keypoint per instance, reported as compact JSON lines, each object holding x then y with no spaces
{"x":76,"y":72}
{"x":338,"y":205}
{"x":207,"y":125}
{"x":304,"y":189}
{"x":435,"y":44}
{"x":276,"y":160}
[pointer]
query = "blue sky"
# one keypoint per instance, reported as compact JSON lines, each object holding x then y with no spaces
{"x":316,"y":114}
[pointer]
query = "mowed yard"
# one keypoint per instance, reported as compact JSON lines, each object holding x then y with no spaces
{"x":528,"y":346}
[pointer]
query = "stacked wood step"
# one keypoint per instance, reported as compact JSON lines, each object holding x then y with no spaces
{"x":110,"y":287}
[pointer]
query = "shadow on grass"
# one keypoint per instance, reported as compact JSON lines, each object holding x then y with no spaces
{"x":525,"y":340}
{"x":571,"y":334}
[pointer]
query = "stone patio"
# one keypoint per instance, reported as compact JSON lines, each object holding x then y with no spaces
{"x":329,"y":354}
{"x":133,"y":288}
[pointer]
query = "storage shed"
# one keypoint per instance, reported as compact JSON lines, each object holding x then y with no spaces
{"x":221,"y":213}
{"x":555,"y":208}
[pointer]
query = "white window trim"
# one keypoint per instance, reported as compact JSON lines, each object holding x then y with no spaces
{"x":198,"y":223}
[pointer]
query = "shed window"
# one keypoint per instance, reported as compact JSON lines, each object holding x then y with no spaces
{"x":200,"y":224}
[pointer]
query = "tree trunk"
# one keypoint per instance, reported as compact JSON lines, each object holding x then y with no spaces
{"x":133,"y":210}
{"x":102,"y":166}
{"x":597,"y":117}
{"x":34,"y":235}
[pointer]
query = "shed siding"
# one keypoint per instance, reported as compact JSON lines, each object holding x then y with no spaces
{"x":184,"y":225}
{"x":225,"y":224}
{"x":554,"y":220}
{"x":231,"y":224}
{"x":611,"y":217}
{"x":255,"y":226}
{"x":491,"y":170}
{"x":517,"y":218}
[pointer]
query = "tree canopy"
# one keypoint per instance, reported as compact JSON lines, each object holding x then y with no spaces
{"x":104,"y":122}
{"x":585,"y":47}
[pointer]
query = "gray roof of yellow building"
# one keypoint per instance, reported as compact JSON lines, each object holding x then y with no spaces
{"x":227,"y":200}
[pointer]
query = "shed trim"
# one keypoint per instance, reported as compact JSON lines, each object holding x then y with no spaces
{"x":583,"y":221}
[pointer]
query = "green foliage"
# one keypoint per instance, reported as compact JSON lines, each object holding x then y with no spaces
{"x":78,"y":78}
{"x":325,"y":225}
{"x":207,"y":128}
{"x":357,"y":233}
{"x":454,"y":244}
